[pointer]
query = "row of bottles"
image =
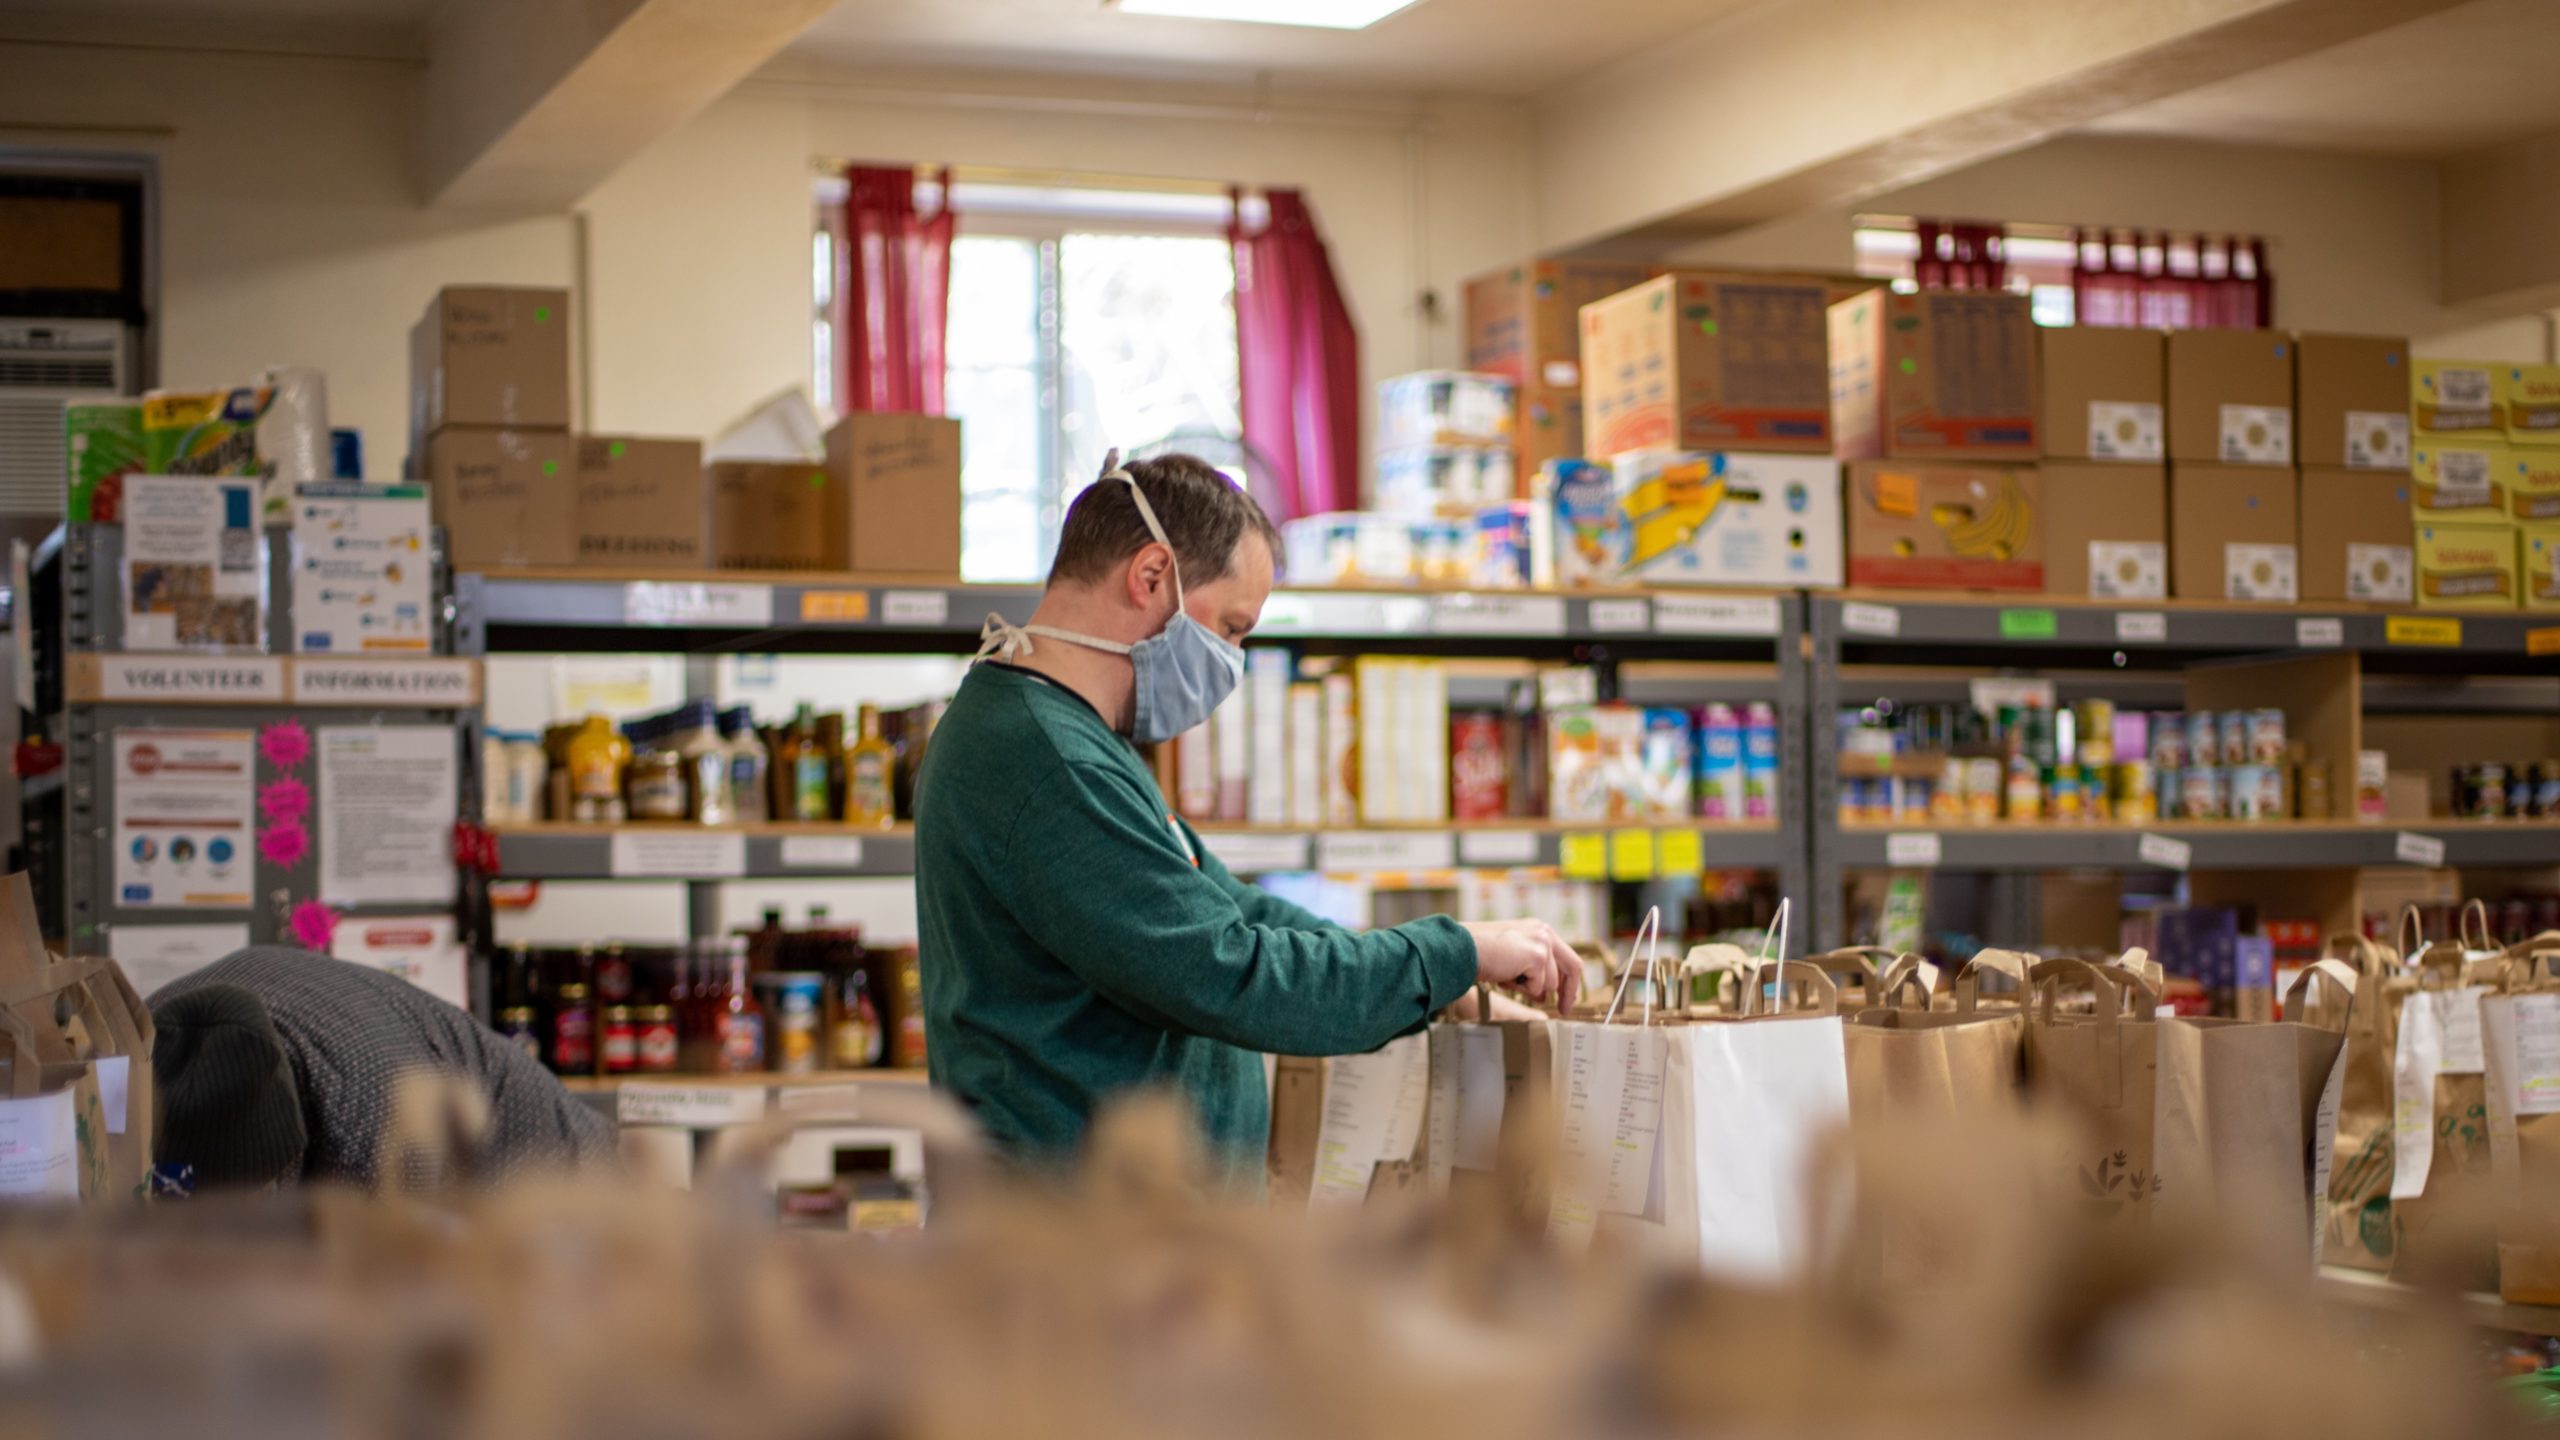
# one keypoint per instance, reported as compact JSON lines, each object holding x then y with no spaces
{"x":696,"y":765}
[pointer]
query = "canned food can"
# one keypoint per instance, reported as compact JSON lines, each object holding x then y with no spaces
{"x":2133,"y":736}
{"x":2063,"y":785}
{"x":2489,"y":791}
{"x":2244,"y":793}
{"x":2266,"y":737}
{"x":1853,"y":801}
{"x":1981,"y":805}
{"x":2234,"y":729}
{"x":2271,"y":800}
{"x":2135,"y":801}
{"x":1914,"y":802}
{"x":2097,"y":734}
{"x":2204,"y":739}
{"x":2201,"y":793}
{"x":2025,"y":790}
{"x":2546,"y":792}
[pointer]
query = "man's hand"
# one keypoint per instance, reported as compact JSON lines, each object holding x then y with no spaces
{"x":1527,"y":956}
{"x":1504,"y":1008}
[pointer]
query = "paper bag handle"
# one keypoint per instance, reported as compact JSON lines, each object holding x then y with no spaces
{"x":2138,"y":962}
{"x":2105,"y":983}
{"x":68,"y":984}
{"x":2462,"y":927}
{"x":1702,"y":960}
{"x":1907,"y":975}
{"x":2006,"y":962}
{"x":2336,"y":981}
{"x":1777,"y":977}
{"x":1649,"y":940}
{"x":2371,"y":957}
{"x":2546,"y":943}
{"x":2409,"y":935}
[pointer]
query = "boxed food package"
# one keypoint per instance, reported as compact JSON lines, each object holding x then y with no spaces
{"x":2530,"y":394}
{"x":1503,"y":558}
{"x":1697,"y":360}
{"x":2102,"y":393}
{"x":2231,"y":397}
{"x":1523,"y":323}
{"x":769,"y":515}
{"x":1729,"y":519}
{"x":1479,"y":767}
{"x":2106,"y":530}
{"x":2467,"y":567}
{"x":490,"y":355}
{"x":1946,"y":527}
{"x":1938,"y":375}
{"x":2532,"y":483}
{"x":1444,"y":407}
{"x":2459,"y":482}
{"x":2351,"y":402}
{"x":1577,"y":534}
{"x":102,"y":443}
{"x":894,"y":505}
{"x":203,"y":432}
{"x":642,"y":502}
{"x":2456,"y":397}
{"x":1665,"y":766}
{"x":362,"y":573}
{"x":1444,"y":479}
{"x":1345,"y":547}
{"x":2356,"y":536}
{"x":2538,"y":569}
{"x":2232,"y":533}
{"x":504,"y":497}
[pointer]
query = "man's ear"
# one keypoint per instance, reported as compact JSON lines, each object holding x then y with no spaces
{"x":1150,"y":573}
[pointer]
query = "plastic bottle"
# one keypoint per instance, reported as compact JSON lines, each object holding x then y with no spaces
{"x":870,"y":776}
{"x":705,"y":757}
{"x":1760,"y":762}
{"x":597,"y":757}
{"x":747,"y":792}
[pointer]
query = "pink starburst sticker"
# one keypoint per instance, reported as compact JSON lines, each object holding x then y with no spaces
{"x":313,"y":923}
{"x":286,"y":744}
{"x":284,"y":844}
{"x":284,"y":801}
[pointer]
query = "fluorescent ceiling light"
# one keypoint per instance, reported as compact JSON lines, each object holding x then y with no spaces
{"x":1322,"y":14}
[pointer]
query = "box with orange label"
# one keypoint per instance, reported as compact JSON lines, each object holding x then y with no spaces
{"x":1946,"y":527}
{"x":2538,"y":580}
{"x":2466,"y":567}
{"x":1940,"y":375}
{"x":2530,"y":394}
{"x":2531,"y":484}
{"x":1695,"y":360}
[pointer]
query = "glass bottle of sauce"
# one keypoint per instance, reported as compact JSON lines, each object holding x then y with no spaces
{"x":654,"y":784}
{"x":831,"y":744}
{"x":802,"y":764}
{"x":737,"y":1021}
{"x":870,"y":776}
{"x":597,"y":757}
{"x":748,"y":793}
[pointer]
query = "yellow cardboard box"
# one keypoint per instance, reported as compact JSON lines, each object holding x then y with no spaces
{"x":2533,"y":484}
{"x":2466,"y":567}
{"x":2459,"y":481}
{"x":2530,"y":395}
{"x":2456,"y":397}
{"x":2539,"y":580}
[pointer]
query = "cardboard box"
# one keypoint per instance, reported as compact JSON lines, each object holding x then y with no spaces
{"x":1946,"y":527}
{"x":2230,"y":397}
{"x":2530,"y":394}
{"x":2459,"y":481}
{"x":2467,"y":567}
{"x":505,"y":498}
{"x":642,"y":503}
{"x":1524,"y":323}
{"x":1940,"y":375}
{"x":2351,"y":402}
{"x":2456,"y":397}
{"x":2106,"y":530}
{"x":2532,"y":483}
{"x":490,"y":356}
{"x":1549,"y":427}
{"x":1699,"y":360}
{"x":2232,"y":532}
{"x":2103,"y":394}
{"x":1723,"y":518}
{"x":770,"y":515}
{"x":2538,"y":566}
{"x":894,"y":508}
{"x":2356,"y":534}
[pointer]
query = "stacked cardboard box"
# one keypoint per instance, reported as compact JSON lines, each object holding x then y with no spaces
{"x":489,"y":424}
{"x":1933,"y":400}
{"x":2233,"y":489}
{"x":2484,"y":484}
{"x":1524,"y":324}
{"x":2106,"y":478}
{"x":2352,"y":438}
{"x":1707,"y":361}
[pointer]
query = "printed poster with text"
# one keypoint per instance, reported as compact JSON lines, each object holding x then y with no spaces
{"x":387,"y":800}
{"x":182,"y":828}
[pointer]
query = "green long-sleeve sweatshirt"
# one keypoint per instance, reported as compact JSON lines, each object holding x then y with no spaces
{"x":1077,"y":939}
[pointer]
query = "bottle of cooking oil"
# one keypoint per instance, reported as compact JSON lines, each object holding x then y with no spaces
{"x":870,"y":776}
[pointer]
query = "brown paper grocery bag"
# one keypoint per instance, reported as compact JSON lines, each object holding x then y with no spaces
{"x":2271,"y":1098}
{"x":38,"y":1171}
{"x":2357,"y":1228}
{"x":1906,"y":1059}
{"x":1297,"y":1113}
{"x":2135,"y":1082}
{"x":2446,"y":1234}
{"x":2518,"y":1026}
{"x":85,"y":1012}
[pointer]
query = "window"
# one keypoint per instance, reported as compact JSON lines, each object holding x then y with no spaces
{"x":2039,"y":260}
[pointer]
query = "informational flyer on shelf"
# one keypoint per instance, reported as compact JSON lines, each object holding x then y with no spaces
{"x":361,"y":581}
{"x":194,"y":568}
{"x":182,"y":818}
{"x":154,"y":955}
{"x":387,"y":800}
{"x":421,"y":949}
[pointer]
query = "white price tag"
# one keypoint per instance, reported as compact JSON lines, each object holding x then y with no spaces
{"x":1498,"y":847}
{"x":1357,"y":851}
{"x":678,"y":854}
{"x":2164,"y":852}
{"x":1862,"y":619}
{"x":2142,"y":627}
{"x":1257,"y":854}
{"x":428,"y":682}
{"x":2124,"y":430}
{"x":1715,"y":615}
{"x":170,"y":677}
{"x":693,"y":1107}
{"x":655,"y":602}
{"x":1498,"y":615}
{"x":822,"y":852}
{"x":1568,"y":685}
{"x":2320,"y":632}
{"x":2257,"y":434}
{"x":2414,"y":849}
{"x":1621,"y":617}
{"x":2378,"y":439}
{"x":1563,"y":374}
{"x":914,"y":607}
{"x":1913,"y":850}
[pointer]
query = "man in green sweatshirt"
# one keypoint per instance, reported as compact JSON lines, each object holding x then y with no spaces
{"x":1077,"y":938}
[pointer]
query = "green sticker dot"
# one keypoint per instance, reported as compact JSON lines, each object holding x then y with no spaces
{"x":541,"y":314}
{"x":1706,"y":327}
{"x":615,"y":450}
{"x":818,"y":480}
{"x":550,"y":467}
{"x":1910,"y":366}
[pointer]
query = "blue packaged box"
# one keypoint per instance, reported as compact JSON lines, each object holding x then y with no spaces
{"x":1502,"y":558}
{"x":2201,"y":943}
{"x":1579,"y":534}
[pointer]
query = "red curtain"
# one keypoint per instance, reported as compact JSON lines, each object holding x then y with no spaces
{"x":892,"y":292}
{"x":2173,"y":282}
{"x":1960,"y":255}
{"x":1298,"y":363}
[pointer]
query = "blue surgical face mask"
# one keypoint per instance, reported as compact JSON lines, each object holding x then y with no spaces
{"x":1184,"y":671}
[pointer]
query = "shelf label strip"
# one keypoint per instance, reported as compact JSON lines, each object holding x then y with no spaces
{"x":1914,"y":850}
{"x":678,"y":855}
{"x":2161,"y":850}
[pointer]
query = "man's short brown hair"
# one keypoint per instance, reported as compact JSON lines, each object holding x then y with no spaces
{"x":1205,"y":516}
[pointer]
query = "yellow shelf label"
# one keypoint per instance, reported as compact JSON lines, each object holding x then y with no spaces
{"x":1584,"y":857}
{"x":1680,"y":852}
{"x":2545,"y":641}
{"x":835,"y":605}
{"x":1631,"y":855}
{"x":2422,"y":630}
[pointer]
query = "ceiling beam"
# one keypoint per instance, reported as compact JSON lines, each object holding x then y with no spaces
{"x":530,"y":104}
{"x":1780,"y":107}
{"x":2501,"y":210}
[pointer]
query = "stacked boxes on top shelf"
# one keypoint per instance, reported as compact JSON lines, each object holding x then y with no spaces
{"x":489,"y":424}
{"x":2106,"y":478}
{"x":1524,"y":324}
{"x":2232,"y":485}
{"x":2484,"y":484}
{"x":2353,"y":444}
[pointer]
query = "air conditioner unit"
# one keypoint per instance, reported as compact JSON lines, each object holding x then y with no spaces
{"x":44,"y":363}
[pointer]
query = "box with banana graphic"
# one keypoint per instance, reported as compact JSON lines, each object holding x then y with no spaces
{"x":1692,"y":517}
{"x":1946,"y":527}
